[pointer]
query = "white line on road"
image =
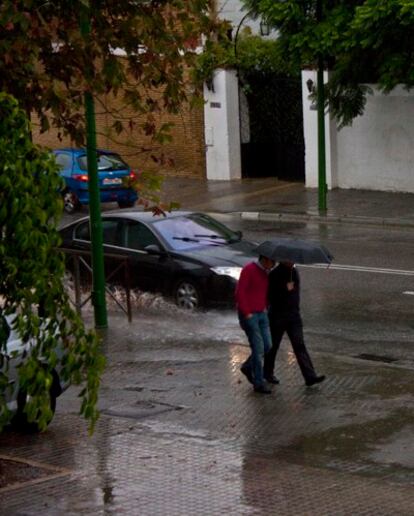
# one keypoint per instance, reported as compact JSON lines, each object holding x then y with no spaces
{"x":357,"y":268}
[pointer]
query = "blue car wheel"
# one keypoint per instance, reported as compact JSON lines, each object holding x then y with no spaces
{"x":71,"y":202}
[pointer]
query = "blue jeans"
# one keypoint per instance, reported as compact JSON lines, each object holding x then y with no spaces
{"x":258,"y":333}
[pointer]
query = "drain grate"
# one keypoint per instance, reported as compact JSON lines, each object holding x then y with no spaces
{"x":377,"y":358}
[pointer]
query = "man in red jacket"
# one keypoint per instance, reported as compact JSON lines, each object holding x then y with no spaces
{"x":251,"y":302}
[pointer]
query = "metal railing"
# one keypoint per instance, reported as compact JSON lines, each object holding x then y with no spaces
{"x":78,"y":258}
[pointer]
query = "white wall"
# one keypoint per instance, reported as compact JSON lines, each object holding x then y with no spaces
{"x":310,"y":128}
{"x":375,"y":153}
{"x":222,"y":127}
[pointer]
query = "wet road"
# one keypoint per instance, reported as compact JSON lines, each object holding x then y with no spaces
{"x":182,"y":433}
{"x":362,"y":303}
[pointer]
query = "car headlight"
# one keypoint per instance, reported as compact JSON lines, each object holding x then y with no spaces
{"x":234,"y":272}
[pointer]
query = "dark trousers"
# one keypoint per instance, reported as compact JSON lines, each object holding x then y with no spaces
{"x":294,"y":329}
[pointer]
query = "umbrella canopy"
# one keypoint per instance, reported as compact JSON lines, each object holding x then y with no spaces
{"x":294,"y":250}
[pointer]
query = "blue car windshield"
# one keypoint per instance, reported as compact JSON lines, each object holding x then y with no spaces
{"x":195,"y":230}
{"x":105,"y":162}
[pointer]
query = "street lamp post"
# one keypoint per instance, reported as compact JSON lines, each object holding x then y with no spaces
{"x":264,"y":30}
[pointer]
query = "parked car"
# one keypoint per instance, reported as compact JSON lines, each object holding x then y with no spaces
{"x":15,"y":352}
{"x":112,"y":172}
{"x":189,"y":256}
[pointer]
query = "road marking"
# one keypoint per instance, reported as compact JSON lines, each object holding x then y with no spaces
{"x":409,"y":293}
{"x":358,"y":268}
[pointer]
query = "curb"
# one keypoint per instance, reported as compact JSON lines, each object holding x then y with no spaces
{"x":324,"y":219}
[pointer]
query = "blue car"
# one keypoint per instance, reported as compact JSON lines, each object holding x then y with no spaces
{"x":112,"y":173}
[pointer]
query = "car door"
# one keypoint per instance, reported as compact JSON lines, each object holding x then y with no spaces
{"x":113,"y":250}
{"x":112,"y":241}
{"x":149,"y":271}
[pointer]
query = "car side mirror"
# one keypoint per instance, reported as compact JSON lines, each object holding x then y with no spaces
{"x":153,"y":249}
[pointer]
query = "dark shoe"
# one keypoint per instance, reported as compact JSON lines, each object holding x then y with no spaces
{"x":316,"y":379}
{"x":247,"y":373}
{"x":272,"y":379}
{"x":262,"y":389}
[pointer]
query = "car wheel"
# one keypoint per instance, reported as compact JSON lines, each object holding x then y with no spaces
{"x":187,"y":295}
{"x":126,"y":204}
{"x":70,"y":202}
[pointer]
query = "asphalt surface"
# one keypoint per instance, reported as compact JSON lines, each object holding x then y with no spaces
{"x":181,"y":431}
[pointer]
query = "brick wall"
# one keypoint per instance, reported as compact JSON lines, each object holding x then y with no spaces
{"x":184,"y":156}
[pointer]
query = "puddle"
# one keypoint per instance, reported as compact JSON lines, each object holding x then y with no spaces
{"x":397,"y":449}
{"x":369,"y":445}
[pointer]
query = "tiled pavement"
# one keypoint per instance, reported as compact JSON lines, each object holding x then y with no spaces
{"x":181,"y":433}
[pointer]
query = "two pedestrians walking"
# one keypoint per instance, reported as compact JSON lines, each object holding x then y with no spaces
{"x":262,"y":286}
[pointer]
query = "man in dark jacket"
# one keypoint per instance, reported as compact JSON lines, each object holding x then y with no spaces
{"x":284,"y":316}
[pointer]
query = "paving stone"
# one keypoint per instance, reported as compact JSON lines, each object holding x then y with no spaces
{"x":182,"y":433}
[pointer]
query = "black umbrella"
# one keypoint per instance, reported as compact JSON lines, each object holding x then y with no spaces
{"x":294,"y":250}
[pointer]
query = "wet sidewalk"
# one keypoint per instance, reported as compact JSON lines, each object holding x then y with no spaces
{"x":182,"y":433}
{"x":271,"y":199}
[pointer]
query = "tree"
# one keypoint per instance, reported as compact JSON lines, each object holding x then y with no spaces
{"x":138,"y":51}
{"x":359,"y":41}
{"x":31,"y":275}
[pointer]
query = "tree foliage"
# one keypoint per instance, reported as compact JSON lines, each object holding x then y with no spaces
{"x":137,"y":50}
{"x":248,"y":53}
{"x":360,"y":41}
{"x":31,"y":275}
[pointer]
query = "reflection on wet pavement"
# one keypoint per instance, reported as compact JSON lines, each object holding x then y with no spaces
{"x":182,"y":433}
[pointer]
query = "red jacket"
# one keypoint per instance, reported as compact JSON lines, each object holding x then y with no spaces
{"x":251,"y":289}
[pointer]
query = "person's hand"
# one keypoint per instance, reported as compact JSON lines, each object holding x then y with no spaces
{"x":290,"y":285}
{"x":249,"y":316}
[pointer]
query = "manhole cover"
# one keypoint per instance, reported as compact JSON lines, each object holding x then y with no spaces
{"x":15,"y":472}
{"x":377,"y":358}
{"x":140,"y":409}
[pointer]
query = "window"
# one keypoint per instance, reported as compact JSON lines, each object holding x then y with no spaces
{"x":82,"y":232}
{"x":139,"y":236}
{"x":108,"y":162}
{"x":64,"y":161}
{"x":194,"y":230}
{"x":112,"y":232}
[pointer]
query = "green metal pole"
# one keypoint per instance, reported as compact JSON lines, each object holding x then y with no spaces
{"x":98,"y":270}
{"x":322,"y":188}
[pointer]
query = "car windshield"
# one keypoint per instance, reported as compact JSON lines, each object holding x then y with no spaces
{"x":105,"y":162}
{"x":195,"y":230}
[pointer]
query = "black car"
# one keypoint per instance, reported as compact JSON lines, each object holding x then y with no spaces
{"x":189,"y":256}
